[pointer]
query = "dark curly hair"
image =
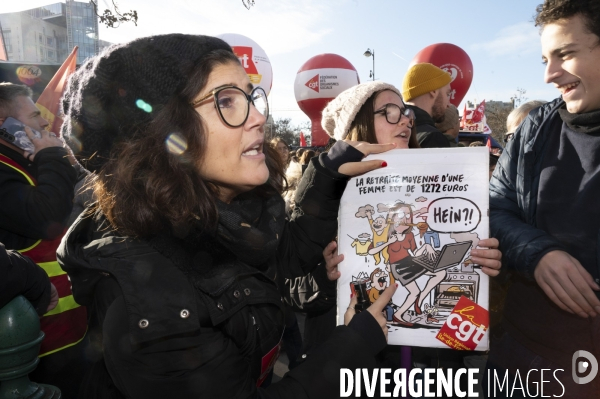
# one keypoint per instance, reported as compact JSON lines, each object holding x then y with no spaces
{"x":554,"y":10}
{"x":144,"y":188}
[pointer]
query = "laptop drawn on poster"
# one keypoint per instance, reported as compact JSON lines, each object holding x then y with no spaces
{"x":448,"y":256}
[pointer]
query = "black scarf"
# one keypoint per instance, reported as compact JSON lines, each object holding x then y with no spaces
{"x":588,"y":122}
{"x":247,"y":236}
{"x":248,"y":231}
{"x":251,"y":227}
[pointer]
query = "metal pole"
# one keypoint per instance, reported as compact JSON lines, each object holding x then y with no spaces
{"x":373,"y":64}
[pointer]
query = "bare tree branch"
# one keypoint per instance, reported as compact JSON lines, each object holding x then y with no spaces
{"x":496,"y":116}
{"x":519,"y":97}
{"x":113,"y":20}
{"x":248,"y":3}
{"x":283,"y":127}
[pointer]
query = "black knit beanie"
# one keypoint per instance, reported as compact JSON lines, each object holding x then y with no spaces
{"x":116,"y":93}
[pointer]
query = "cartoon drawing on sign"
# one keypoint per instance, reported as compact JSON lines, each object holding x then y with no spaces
{"x":409,"y":243}
{"x":426,"y":235}
{"x":424,"y":215}
{"x":380,"y":227}
{"x":431,"y":311}
{"x":362,"y":244}
{"x":380,"y":280}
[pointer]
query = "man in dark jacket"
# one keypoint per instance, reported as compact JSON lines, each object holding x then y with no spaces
{"x":28,"y":214}
{"x":36,"y":198}
{"x":426,"y":88}
{"x":543,"y":201}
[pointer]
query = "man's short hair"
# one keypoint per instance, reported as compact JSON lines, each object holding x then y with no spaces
{"x":552,"y":11}
{"x":450,"y":119}
{"x":8,"y":94}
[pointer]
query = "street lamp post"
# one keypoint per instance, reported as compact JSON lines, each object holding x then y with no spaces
{"x":371,"y":53}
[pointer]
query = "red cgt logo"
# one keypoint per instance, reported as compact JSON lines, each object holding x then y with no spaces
{"x":313,"y":83}
{"x":244,"y":54}
{"x":465,"y":326}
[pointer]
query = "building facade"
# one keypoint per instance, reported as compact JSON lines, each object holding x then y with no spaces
{"x":48,"y":34}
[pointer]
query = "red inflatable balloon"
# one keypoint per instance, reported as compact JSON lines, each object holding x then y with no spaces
{"x":319,"y":81}
{"x":455,"y":61}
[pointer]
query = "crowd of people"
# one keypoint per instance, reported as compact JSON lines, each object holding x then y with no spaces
{"x":166,"y":251}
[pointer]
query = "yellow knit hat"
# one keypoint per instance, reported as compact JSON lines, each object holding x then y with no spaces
{"x":423,"y":78}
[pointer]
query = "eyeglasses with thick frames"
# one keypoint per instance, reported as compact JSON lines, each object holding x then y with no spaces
{"x":233,"y":103}
{"x":393,"y":113}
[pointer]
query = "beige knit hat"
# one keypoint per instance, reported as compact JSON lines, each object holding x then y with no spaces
{"x":423,"y":78}
{"x":339,"y":114}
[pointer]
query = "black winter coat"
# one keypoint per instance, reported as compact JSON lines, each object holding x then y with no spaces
{"x":428,"y":135}
{"x":163,"y":337}
{"x":19,"y":275}
{"x":29,"y":213}
{"x":514,"y":192}
{"x":529,"y":315}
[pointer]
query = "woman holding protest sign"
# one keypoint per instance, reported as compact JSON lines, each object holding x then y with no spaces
{"x":185,"y":257}
{"x":375,"y":112}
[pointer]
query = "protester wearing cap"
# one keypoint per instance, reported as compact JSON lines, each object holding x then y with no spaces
{"x":187,"y":253}
{"x":426,"y":88}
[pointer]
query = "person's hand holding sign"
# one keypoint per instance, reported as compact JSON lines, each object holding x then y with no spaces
{"x":376,"y":309}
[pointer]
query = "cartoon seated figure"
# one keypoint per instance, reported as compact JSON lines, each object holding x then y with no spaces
{"x":401,"y":244}
{"x":380,"y":280}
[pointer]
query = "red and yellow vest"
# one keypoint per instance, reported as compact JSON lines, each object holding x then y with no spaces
{"x":66,"y":324}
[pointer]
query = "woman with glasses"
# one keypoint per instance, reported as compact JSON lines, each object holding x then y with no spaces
{"x":186,"y":256}
{"x":375,"y":112}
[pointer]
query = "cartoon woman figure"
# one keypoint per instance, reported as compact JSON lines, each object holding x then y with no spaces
{"x":401,"y":246}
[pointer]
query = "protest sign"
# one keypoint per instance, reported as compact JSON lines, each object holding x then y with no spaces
{"x":415,"y":223}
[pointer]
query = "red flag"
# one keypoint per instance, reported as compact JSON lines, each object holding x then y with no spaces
{"x":463,"y":120}
{"x":49,"y":101}
{"x":479,"y":112}
{"x":302,"y":140}
{"x":489,"y":143}
{"x":486,"y":129}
